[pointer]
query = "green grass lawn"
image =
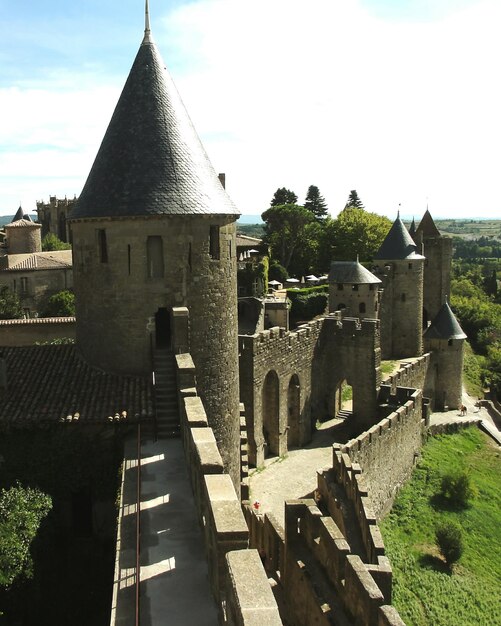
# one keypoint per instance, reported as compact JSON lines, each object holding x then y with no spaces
{"x":425,"y":592}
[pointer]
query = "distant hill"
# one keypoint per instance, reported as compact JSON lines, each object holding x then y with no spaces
{"x":250,"y":219}
{"x":7,"y":219}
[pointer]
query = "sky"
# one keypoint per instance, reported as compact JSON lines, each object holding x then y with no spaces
{"x":398,"y":99}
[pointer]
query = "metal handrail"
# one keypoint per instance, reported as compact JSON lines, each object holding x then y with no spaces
{"x":138,"y":526}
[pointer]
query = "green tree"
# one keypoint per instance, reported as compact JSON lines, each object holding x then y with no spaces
{"x":283,"y":196}
{"x":354,"y":201}
{"x":50,"y":242}
{"x":286,"y":230}
{"x":10,"y":307}
{"x":315,"y":203}
{"x":21,"y":513}
{"x":61,"y":304}
{"x":457,"y":488}
{"x":449,"y":540}
{"x":354,"y":232}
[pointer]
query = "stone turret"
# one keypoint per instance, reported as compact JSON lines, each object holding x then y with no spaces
{"x":400,"y":266}
{"x":437,"y":269}
{"x":154,"y":230}
{"x":354,"y":289}
{"x":444,"y":338}
{"x":23,"y":235}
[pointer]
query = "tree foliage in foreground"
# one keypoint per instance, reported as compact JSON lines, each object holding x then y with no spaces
{"x":21,"y":513}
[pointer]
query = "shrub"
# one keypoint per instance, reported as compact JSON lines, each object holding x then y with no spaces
{"x":449,"y":540}
{"x":51,"y":242}
{"x":61,"y":304}
{"x":457,"y":488}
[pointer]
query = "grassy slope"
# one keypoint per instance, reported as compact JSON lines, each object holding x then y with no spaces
{"x":425,"y":592}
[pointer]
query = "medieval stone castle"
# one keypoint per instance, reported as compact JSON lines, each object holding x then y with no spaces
{"x":155,"y":278}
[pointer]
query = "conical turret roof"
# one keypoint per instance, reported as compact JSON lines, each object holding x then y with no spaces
{"x":444,"y":325}
{"x":151,"y":161}
{"x":398,"y":244}
{"x":427,"y":227}
{"x":351,"y":273}
{"x":19,"y":214}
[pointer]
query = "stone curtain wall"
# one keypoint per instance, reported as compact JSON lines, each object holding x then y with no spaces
{"x":410,"y":374}
{"x":321,"y":354}
{"x":41,"y":330}
{"x":287,"y":354}
{"x":388,"y":451}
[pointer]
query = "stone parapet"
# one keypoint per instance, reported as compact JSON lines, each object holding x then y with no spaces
{"x":412,"y":374}
{"x":28,"y":332}
{"x":249,"y":601}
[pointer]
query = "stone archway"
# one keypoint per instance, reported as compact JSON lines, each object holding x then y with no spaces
{"x":293,"y":412}
{"x":271,"y":421}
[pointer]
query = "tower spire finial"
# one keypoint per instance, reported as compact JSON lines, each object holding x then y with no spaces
{"x":147,"y":30}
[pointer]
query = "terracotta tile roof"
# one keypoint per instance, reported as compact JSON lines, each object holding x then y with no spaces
{"x":39,"y":261}
{"x":38,"y":320}
{"x":24,"y":222}
{"x":47,"y":384}
{"x":151,"y":161}
{"x":244,"y":240}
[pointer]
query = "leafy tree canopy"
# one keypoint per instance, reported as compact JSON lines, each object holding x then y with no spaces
{"x":315,"y":202}
{"x":354,"y":232}
{"x":61,"y":304}
{"x":354,"y":200}
{"x":50,"y":242}
{"x":21,"y":513}
{"x":286,"y":230}
{"x":10,"y":307}
{"x":283,"y":196}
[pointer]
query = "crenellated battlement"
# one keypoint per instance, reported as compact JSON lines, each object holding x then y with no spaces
{"x":410,"y":374}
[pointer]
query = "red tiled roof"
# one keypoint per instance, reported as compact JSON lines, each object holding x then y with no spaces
{"x":53,"y":383}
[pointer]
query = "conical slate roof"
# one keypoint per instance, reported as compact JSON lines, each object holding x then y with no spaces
{"x":427,"y":226}
{"x":412,"y":228}
{"x":351,"y":273}
{"x":19,"y":214}
{"x":151,"y":161}
{"x":398,"y":244}
{"x":444,"y":325}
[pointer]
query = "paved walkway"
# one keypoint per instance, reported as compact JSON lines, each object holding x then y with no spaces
{"x":174,"y":586}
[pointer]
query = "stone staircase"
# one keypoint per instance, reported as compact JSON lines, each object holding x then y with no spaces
{"x":343,"y":414}
{"x":166,"y":400}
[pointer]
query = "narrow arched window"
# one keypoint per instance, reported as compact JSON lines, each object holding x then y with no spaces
{"x":155,"y":256}
{"x":361,"y":307}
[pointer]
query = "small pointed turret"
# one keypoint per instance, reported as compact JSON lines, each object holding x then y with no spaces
{"x":445,"y":325}
{"x":398,"y":244}
{"x":427,"y":227}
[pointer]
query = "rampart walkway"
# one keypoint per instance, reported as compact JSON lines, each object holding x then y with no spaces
{"x":174,"y":582}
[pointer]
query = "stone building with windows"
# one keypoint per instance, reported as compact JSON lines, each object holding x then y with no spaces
{"x":27,"y":271}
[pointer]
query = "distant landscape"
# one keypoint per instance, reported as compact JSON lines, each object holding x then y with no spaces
{"x":252,"y":226}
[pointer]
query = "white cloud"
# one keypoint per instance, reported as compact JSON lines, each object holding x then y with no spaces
{"x":289,"y":93}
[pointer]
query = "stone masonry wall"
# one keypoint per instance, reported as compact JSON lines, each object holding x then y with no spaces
{"x":40,"y":330}
{"x":322,"y":354}
{"x":388,"y":451}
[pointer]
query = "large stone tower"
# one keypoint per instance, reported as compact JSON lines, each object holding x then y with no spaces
{"x":444,"y":338}
{"x":437,"y":268}
{"x":401,"y":269}
{"x":154,"y":229}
